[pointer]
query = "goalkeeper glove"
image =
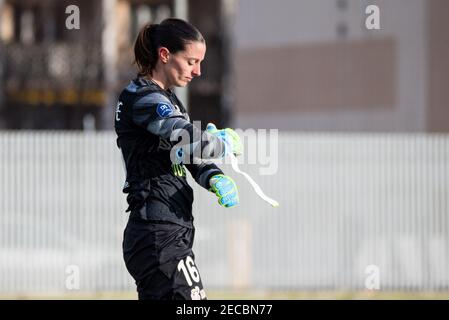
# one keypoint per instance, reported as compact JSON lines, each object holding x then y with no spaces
{"x":230,"y":138}
{"x":225,"y":189}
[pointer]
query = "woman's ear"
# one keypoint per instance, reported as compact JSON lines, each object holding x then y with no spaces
{"x":164,"y":54}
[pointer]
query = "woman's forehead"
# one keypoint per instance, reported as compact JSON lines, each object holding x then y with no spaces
{"x":195,"y":50}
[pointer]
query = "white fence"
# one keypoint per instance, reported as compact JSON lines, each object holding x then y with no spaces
{"x":357,"y":211}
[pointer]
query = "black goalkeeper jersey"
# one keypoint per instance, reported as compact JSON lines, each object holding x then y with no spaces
{"x":145,"y":119}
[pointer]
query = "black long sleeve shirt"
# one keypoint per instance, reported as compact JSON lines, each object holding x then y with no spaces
{"x":150,"y":123}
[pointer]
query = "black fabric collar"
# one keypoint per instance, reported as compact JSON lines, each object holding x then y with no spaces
{"x":148,"y":82}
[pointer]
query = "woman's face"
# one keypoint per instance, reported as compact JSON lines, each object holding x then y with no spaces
{"x":183,"y":66}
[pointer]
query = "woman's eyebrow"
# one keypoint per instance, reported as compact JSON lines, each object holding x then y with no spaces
{"x":192,"y":58}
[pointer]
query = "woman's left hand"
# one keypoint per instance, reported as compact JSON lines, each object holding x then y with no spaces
{"x":225,"y":189}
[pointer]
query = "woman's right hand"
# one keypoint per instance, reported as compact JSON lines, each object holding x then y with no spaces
{"x":231,"y":139}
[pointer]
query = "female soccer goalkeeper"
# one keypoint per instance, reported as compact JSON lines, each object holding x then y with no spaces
{"x":158,"y":142}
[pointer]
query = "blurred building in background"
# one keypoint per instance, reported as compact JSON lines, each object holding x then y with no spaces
{"x":53,"y":77}
{"x":291,"y":65}
{"x":313,"y":65}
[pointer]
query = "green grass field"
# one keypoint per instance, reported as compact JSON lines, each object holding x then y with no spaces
{"x":250,"y":295}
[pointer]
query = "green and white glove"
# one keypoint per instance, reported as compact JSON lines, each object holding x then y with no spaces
{"x":231,"y":139}
{"x":225,"y":189}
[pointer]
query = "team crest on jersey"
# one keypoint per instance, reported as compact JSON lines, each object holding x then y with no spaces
{"x":164,"y":110}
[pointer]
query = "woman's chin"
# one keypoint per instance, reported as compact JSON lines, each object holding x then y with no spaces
{"x":183,"y":83}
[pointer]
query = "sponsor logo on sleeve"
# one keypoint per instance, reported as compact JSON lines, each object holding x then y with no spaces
{"x":164,"y":110}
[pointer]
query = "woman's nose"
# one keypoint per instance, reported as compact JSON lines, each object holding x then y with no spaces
{"x":196,"y":71}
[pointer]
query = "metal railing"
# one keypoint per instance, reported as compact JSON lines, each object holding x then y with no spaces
{"x":357,"y":211}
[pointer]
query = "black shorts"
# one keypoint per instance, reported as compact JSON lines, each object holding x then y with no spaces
{"x":159,"y":257}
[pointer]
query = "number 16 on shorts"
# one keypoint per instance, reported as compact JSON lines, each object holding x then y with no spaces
{"x":187,"y":266}
{"x":192,"y":276}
